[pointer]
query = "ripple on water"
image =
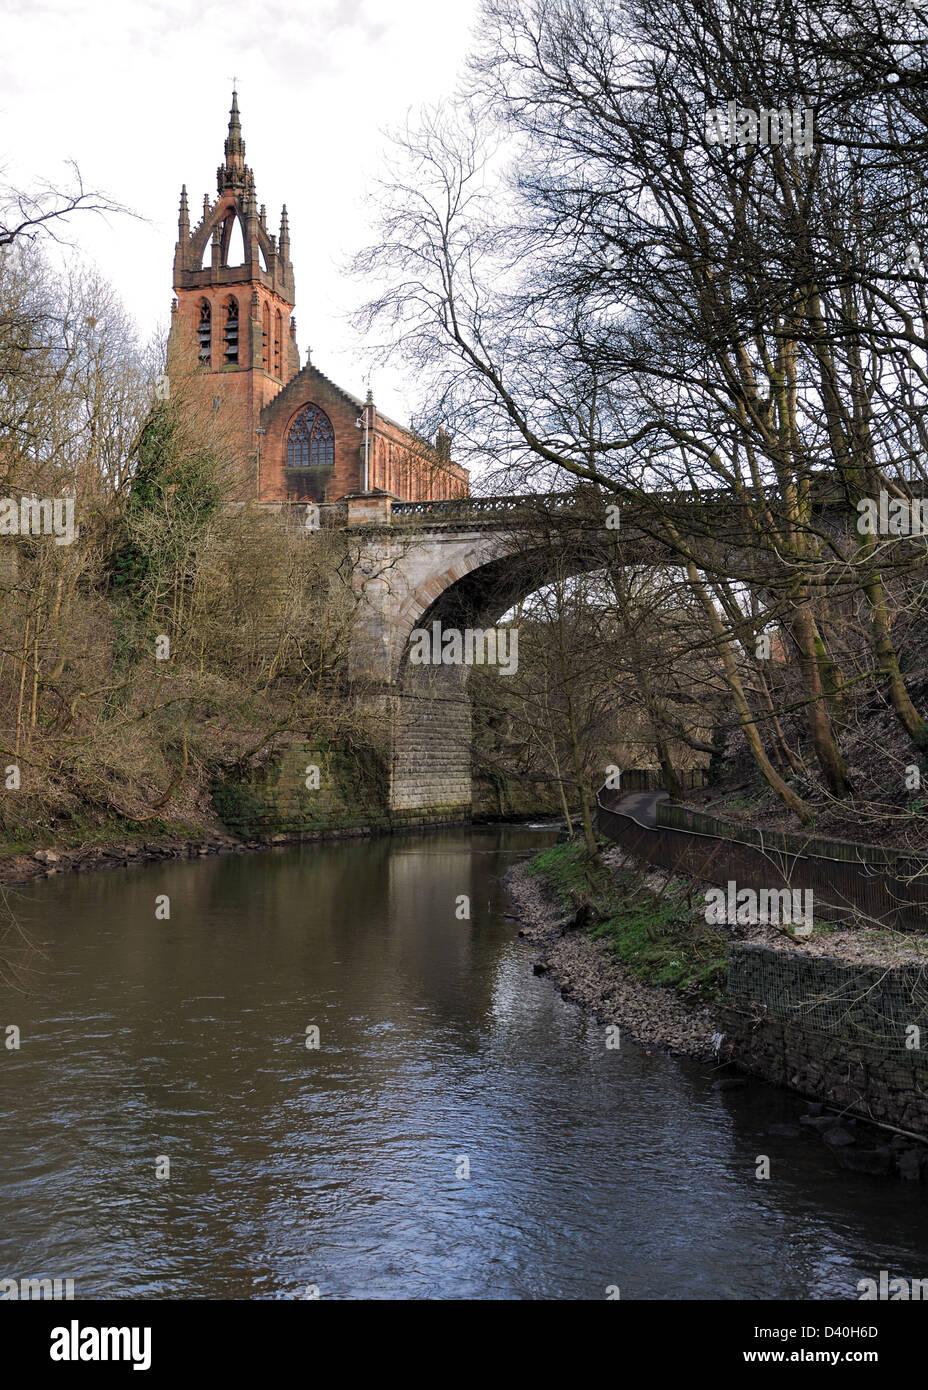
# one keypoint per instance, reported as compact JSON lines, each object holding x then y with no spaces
{"x":460,"y":1132}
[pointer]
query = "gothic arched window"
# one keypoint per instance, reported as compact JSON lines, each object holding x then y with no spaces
{"x":278,"y":334}
{"x":232,"y":330}
{"x":205,"y":333}
{"x":311,"y":441}
{"x":266,"y":337}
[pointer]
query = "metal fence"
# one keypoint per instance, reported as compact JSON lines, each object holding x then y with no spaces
{"x":893,"y":895}
{"x":448,"y":509}
{"x":637,"y":779}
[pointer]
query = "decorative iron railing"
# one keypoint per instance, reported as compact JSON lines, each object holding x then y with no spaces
{"x":474,"y":506}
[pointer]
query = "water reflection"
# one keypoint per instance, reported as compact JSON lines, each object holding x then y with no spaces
{"x":340,"y":1166}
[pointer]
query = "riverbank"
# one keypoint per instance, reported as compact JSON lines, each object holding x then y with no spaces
{"x":123,"y":845}
{"x":587,"y":971}
{"x":629,"y":944}
{"x":22,"y":866}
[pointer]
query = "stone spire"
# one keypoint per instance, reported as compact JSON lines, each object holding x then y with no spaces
{"x":283,"y":243}
{"x":235,"y":145}
{"x":234,"y":173}
{"x":183,"y":221}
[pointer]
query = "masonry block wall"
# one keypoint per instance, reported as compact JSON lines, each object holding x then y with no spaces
{"x":514,"y":795}
{"x":351,"y":795}
{"x":430,"y":783}
{"x":832,"y":1030}
{"x":431,"y":778}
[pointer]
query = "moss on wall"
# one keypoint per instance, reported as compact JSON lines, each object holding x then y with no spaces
{"x":276,"y":799}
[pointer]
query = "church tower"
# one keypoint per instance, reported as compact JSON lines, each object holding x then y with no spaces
{"x":295,"y":435}
{"x":232,"y":323}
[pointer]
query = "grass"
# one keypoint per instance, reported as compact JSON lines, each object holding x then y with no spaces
{"x":568,"y":875}
{"x":661,"y":939}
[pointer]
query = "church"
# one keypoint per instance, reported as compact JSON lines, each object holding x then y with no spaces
{"x":297,"y":435}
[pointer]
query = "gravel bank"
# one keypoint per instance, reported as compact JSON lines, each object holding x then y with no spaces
{"x":587,"y":974}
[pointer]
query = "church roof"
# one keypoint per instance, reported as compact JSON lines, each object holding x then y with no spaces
{"x":311,"y":370}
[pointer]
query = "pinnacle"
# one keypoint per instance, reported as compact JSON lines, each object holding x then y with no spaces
{"x":235,"y":145}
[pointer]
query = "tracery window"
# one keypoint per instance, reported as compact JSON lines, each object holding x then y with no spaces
{"x":311,"y":441}
{"x":266,"y":337}
{"x":232,"y":330}
{"x":205,"y":333}
{"x":278,"y":333}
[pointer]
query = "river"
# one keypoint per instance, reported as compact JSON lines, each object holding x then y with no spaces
{"x":459,"y":1132}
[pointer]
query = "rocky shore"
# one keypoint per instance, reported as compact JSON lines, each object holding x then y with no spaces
{"x":586,"y":973}
{"x":86,"y":858}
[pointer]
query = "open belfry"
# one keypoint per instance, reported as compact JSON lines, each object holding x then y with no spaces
{"x":296,"y":435}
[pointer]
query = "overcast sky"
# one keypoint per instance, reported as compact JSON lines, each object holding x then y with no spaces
{"x":139,"y":94}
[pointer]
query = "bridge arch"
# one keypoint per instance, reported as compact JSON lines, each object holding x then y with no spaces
{"x":431,"y":710}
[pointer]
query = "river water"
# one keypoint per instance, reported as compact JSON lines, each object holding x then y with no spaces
{"x":343,"y":1169}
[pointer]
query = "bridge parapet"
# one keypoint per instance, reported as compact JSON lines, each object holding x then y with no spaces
{"x":710,"y":506}
{"x":465,"y":507}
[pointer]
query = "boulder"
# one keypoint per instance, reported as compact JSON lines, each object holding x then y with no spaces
{"x":838,"y":1138}
{"x":819,"y":1123}
{"x":877,"y":1161}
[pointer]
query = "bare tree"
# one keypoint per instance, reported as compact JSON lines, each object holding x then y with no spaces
{"x":729,"y":337}
{"x":44,"y":211}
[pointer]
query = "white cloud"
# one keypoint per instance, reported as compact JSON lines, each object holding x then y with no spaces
{"x":139,"y":95}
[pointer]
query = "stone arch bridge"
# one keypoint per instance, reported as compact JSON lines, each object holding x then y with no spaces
{"x":440,"y":567}
{"x":463,"y":564}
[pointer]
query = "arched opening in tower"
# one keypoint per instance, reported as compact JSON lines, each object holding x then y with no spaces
{"x":232,"y":243}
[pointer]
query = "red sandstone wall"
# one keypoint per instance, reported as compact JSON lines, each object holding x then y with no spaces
{"x":249,"y":396}
{"x":398,"y":463}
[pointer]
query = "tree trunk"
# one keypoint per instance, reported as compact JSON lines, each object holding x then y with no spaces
{"x":745,"y":716}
